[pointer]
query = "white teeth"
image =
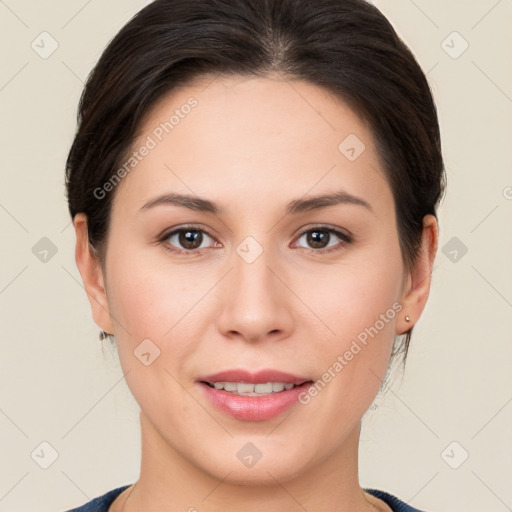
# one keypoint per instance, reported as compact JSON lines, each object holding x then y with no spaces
{"x":244,"y":388}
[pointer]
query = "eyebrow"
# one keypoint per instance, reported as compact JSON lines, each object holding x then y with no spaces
{"x":293,"y":207}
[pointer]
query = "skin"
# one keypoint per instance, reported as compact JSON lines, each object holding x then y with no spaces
{"x":292,"y":309}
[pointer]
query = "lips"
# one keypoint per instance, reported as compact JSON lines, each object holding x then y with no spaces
{"x":253,"y":408}
{"x":260,"y":377}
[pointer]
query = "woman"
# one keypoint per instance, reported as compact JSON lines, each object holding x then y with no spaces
{"x":253,"y":186}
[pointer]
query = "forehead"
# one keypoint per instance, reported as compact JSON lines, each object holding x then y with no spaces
{"x":230,"y":136}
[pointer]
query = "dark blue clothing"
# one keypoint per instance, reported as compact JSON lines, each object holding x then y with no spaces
{"x":395,"y":504}
{"x":101,"y":503}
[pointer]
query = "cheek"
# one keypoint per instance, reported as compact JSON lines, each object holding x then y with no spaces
{"x":359,"y":304}
{"x":148,"y":296}
{"x":159,"y":302}
{"x":137,"y":300}
{"x":353,"y":296}
{"x":159,"y":332}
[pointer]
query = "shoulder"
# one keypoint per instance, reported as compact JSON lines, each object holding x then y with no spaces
{"x":101,"y":503}
{"x":395,"y":503}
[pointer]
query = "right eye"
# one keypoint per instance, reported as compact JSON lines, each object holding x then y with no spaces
{"x":185,"y":240}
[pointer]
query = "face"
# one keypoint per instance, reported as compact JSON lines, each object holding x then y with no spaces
{"x":260,"y":277}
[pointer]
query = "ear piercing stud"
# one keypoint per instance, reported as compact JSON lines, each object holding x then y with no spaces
{"x":407,"y":318}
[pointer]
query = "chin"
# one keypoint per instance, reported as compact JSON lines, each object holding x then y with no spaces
{"x":265,"y":471}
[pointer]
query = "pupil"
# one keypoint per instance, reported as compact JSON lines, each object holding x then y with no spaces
{"x":189,"y":238}
{"x":317,"y":237}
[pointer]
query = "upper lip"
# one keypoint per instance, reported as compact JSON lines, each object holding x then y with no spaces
{"x":260,"y":377}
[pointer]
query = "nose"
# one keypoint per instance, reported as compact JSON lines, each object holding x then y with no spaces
{"x":256,"y":302}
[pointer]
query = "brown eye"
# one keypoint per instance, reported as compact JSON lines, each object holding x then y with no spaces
{"x":186,"y":239}
{"x":190,"y":239}
{"x":319,"y":238}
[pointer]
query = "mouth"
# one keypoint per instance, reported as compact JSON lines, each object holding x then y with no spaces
{"x":248,"y":401}
{"x":242,"y":376}
{"x":253,"y":396}
{"x":254,"y":389}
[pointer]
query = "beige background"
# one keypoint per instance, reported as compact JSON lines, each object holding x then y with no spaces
{"x":58,"y":386}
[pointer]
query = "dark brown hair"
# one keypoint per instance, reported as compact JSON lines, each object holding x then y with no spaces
{"x":345,"y":46}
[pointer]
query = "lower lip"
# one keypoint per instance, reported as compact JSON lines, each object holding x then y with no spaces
{"x":254,"y":408}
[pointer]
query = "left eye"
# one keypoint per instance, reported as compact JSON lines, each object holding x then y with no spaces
{"x":319,"y":238}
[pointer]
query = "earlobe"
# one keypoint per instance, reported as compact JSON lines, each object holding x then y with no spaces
{"x":417,"y":289}
{"x":92,"y":275}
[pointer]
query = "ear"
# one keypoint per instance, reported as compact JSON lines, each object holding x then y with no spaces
{"x":92,"y":275}
{"x":417,"y":286}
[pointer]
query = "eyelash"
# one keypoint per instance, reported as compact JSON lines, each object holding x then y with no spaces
{"x":347,"y":239}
